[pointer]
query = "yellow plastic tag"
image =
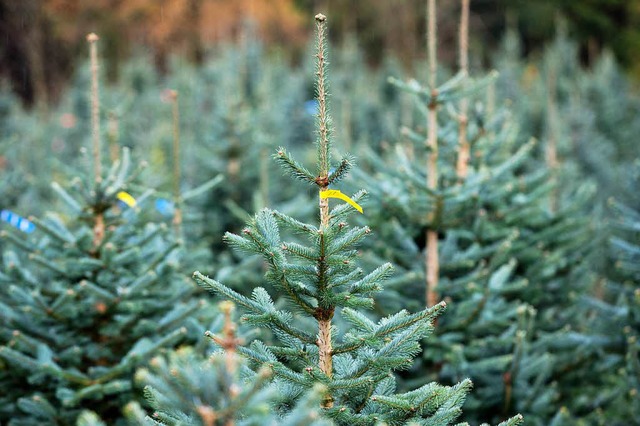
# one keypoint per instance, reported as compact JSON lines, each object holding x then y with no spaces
{"x":335,"y":193}
{"x":126,"y":198}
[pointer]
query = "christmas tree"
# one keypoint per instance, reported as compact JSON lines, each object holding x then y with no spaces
{"x":585,"y":115}
{"x":610,"y":396}
{"x":326,"y":291}
{"x":89,"y":298}
{"x":186,"y":387}
{"x":483,"y":227}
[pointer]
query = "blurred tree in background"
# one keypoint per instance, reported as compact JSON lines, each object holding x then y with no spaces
{"x":43,"y":38}
{"x":595,"y":24}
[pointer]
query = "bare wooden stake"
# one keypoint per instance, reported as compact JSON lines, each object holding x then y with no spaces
{"x":95,"y":107}
{"x":433,"y":268}
{"x":177,"y":178}
{"x":229,"y":342}
{"x":98,"y":230}
{"x":491,"y":99}
{"x":264,"y":176}
{"x":551,"y":151}
{"x":462,"y":165}
{"x":113,"y":135}
{"x":432,"y":262}
{"x":98,"y":226}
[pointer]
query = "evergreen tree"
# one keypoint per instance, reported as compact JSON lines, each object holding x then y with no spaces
{"x":186,"y":388}
{"x":224,"y":134}
{"x":25,"y":173}
{"x":613,"y":313}
{"x":90,"y":297}
{"x":324,"y":289}
{"x":586,"y":113}
{"x":502,"y":261}
{"x":491,"y":238}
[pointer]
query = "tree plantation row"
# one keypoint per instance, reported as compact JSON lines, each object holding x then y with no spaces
{"x":372,"y":246}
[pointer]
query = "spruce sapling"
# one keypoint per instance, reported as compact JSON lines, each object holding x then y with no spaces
{"x":323,"y":288}
{"x":186,"y":388}
{"x":87,"y":299}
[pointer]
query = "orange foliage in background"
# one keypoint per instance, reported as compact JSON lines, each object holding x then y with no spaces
{"x":47,"y":36}
{"x":168,"y":26}
{"x":277,"y":20}
{"x":42,"y":40}
{"x":50,"y":45}
{"x":163,"y":23}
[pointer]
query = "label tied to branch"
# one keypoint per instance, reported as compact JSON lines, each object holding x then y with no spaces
{"x":126,"y":198}
{"x":165,"y":207}
{"x":17,"y":221}
{"x":335,"y":193}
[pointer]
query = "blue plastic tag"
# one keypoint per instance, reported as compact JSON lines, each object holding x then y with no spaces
{"x":17,"y":221}
{"x":164,"y":206}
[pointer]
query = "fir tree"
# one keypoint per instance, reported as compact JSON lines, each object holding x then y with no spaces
{"x":324,"y":290}
{"x":512,"y":266}
{"x":586,"y":113}
{"x":186,"y":388}
{"x":610,"y":396}
{"x":624,"y":294}
{"x":486,"y":248}
{"x":90,"y":297}
{"x":25,"y":173}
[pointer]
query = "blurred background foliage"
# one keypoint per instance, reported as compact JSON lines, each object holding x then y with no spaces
{"x":539,"y":247}
{"x":43,"y":39}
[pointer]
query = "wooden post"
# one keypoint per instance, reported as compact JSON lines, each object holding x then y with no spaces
{"x":95,"y":108}
{"x":462,"y":165}
{"x":113,"y":134}
{"x":551,"y":149}
{"x":432,"y":263}
{"x":177,"y":196}
{"x":98,"y":226}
